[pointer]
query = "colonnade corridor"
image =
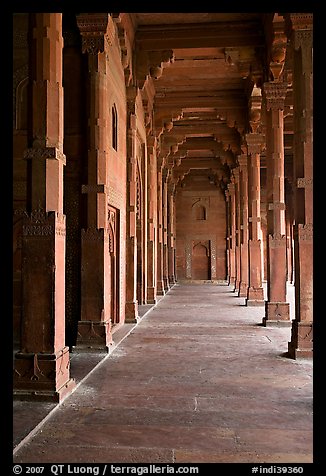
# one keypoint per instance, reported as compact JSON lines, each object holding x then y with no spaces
{"x":197,"y":379}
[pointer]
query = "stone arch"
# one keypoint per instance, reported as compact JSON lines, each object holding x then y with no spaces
{"x":21,"y":105}
{"x":200,"y":212}
{"x":113,"y":268}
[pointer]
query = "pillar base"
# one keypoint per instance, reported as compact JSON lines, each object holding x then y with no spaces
{"x":172,"y":280}
{"x":132,"y":316}
{"x":255,"y":297}
{"x":236,"y":286}
{"x":42,"y":376}
{"x":243,"y":290}
{"x":94,"y":336}
{"x":277,"y":314}
{"x":166,"y":284}
{"x":301,"y":340}
{"x":160,"y":291}
{"x":231,"y":281}
{"x":45,"y":396}
{"x":151,"y":295}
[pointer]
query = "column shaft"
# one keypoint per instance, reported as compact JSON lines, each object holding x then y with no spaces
{"x":232,"y":240}
{"x":94,"y":328}
{"x":302,"y":327}
{"x":255,"y":291}
{"x":171,"y":234}
{"x":277,"y":310}
{"x":165,"y":231}
{"x":236,"y":173}
{"x":41,"y":367}
{"x":160,"y":282}
{"x":131,"y":225}
{"x":244,"y":232}
{"x":151,"y":221}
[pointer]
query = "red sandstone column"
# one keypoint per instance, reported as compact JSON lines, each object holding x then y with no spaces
{"x":170,"y":233}
{"x":302,"y":327}
{"x":151,"y":220}
{"x":232,"y":275}
{"x":228,"y":233}
{"x":94,"y":328}
{"x":160,"y":282}
{"x":236,"y":175}
{"x":41,"y":367}
{"x":165,"y":176}
{"x":255,"y":290}
{"x":244,"y":232}
{"x":289,"y":232}
{"x":131,"y":239}
{"x":277,"y":310}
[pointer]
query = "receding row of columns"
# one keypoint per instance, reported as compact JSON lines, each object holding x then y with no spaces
{"x":243,"y":199}
{"x":42,"y":364}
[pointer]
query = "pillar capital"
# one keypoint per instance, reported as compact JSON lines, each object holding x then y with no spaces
{"x":242,"y":160}
{"x":274,"y":94}
{"x":94,"y":31}
{"x":301,"y":21}
{"x":255,"y":143}
{"x":301,"y":25}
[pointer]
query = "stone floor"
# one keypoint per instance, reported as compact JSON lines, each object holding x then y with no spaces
{"x":198,"y":379}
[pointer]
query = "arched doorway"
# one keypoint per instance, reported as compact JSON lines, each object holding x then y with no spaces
{"x":113,"y":265}
{"x":201,"y":263}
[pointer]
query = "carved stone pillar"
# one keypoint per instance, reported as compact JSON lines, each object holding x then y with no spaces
{"x":165,"y":176}
{"x":302,"y":36}
{"x":131,"y":216}
{"x":171,"y":233}
{"x":228,"y":234}
{"x":244,"y":232}
{"x":255,"y":291}
{"x":94,"y":328}
{"x":41,"y":367}
{"x":277,"y":310}
{"x":151,"y":220}
{"x":236,"y":175}
{"x":289,"y":232}
{"x":232,"y":235}
{"x":160,"y":282}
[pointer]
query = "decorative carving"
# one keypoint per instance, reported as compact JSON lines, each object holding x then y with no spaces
{"x":18,"y":76}
{"x":93,"y":28}
{"x":277,"y":241}
{"x":301,"y":21}
{"x":278,"y":47}
{"x":275,"y":94}
{"x":95,"y":188}
{"x":276,"y":206}
{"x":94,"y":234}
{"x":152,"y":63}
{"x":242,"y":161}
{"x":255,"y":143}
{"x":41,"y":223}
{"x":302,"y":26}
{"x":44,"y":153}
{"x":254,"y":104}
{"x":304,"y":182}
{"x":305,"y":232}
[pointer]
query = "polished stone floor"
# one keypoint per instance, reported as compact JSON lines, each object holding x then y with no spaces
{"x":198,"y":379}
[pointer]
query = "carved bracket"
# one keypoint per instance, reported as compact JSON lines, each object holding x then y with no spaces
{"x":94,"y":31}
